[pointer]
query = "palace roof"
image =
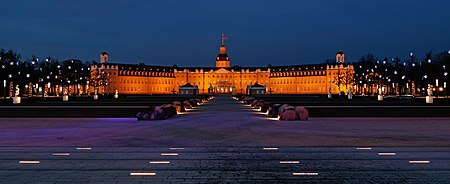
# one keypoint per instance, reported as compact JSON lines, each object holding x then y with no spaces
{"x":144,"y":67}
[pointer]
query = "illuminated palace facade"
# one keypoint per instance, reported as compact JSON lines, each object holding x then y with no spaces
{"x":140,"y":79}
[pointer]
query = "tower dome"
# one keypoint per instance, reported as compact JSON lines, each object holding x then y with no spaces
{"x":222,"y":59}
{"x":340,"y":57}
{"x":104,"y":57}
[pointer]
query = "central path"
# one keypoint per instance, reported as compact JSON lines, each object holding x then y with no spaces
{"x":223,"y":106}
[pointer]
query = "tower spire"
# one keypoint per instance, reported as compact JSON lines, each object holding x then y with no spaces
{"x":222,"y":60}
{"x":223,"y":39}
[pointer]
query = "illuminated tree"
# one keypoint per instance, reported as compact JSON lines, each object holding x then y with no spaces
{"x":99,"y":78}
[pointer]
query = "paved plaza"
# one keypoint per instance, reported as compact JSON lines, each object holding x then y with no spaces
{"x":224,"y":165}
{"x":224,"y":141}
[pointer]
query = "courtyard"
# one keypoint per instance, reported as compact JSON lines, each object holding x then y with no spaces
{"x":224,"y":140}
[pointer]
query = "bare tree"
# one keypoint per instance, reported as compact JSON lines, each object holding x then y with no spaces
{"x":99,"y":78}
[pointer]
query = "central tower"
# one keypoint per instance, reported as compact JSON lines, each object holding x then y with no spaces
{"x":222,"y":60}
{"x":340,"y":57}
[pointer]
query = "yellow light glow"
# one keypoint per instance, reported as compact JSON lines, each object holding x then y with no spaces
{"x":274,"y":119}
{"x":265,"y":113}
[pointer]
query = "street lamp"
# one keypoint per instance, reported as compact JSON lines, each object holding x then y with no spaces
{"x":445,"y":88}
{"x":4,"y":89}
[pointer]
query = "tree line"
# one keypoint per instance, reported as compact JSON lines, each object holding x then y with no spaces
{"x":396,"y":76}
{"x":45,"y":76}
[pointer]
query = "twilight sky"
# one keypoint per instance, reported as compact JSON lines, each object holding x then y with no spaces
{"x":187,"y":32}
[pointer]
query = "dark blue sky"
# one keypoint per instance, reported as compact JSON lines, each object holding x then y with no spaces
{"x":259,"y":32}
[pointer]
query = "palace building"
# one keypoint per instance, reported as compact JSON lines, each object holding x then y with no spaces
{"x":142,"y":79}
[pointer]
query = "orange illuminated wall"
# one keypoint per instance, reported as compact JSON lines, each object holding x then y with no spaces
{"x":297,"y":79}
{"x":222,"y":80}
{"x":136,"y":81}
{"x":298,"y":82}
{"x":307,"y":81}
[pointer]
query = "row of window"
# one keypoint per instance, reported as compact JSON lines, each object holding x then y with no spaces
{"x":298,"y":81}
{"x":273,"y":74}
{"x":223,"y":76}
{"x":302,"y":89}
{"x":289,"y":74}
{"x":225,"y":81}
{"x":273,"y":81}
{"x":143,"y":89}
{"x":141,"y":73}
{"x":146,"y":81}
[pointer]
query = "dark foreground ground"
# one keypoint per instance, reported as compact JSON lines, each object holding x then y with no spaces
{"x":223,"y":141}
{"x":225,"y":165}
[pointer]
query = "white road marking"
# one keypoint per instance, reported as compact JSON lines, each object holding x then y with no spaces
{"x":387,"y":154}
{"x":143,"y":174}
{"x":159,"y":162}
{"x":29,"y":162}
{"x":169,"y":154}
{"x":419,"y":162}
{"x":306,"y":174}
{"x":270,"y":149}
{"x":289,"y":162}
{"x":60,"y":154}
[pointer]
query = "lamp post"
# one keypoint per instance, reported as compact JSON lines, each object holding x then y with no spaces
{"x":445,"y":83}
{"x":445,"y":89}
{"x":4,"y":89}
{"x":437,"y":86}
